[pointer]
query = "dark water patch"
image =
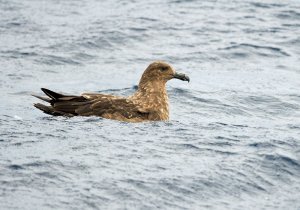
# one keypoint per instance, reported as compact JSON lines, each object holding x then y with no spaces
{"x":15,"y":167}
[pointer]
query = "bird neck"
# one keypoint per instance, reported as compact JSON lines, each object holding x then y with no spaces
{"x":154,"y":94}
{"x":152,"y":87}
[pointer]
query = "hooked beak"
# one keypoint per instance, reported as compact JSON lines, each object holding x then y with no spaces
{"x":181,"y":76}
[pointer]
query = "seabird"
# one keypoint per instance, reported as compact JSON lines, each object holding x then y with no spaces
{"x":149,"y":103}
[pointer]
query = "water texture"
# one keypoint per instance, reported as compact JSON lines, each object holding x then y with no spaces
{"x":233,"y":140}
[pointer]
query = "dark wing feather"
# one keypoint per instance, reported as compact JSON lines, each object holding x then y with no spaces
{"x":61,"y":104}
{"x":113,"y":105}
{"x":91,"y":104}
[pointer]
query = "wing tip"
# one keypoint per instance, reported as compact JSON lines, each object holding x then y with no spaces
{"x":51,"y":94}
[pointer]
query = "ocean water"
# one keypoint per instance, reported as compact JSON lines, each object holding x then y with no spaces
{"x":233,"y":139}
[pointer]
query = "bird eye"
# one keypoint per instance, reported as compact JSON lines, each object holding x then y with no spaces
{"x":164,"y":68}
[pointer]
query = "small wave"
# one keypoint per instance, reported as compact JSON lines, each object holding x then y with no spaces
{"x":181,"y":1}
{"x":180,"y":90}
{"x":119,"y":89}
{"x":261,"y":145}
{"x":288,"y":14}
{"x":260,"y":50}
{"x":148,"y":19}
{"x":47,"y":175}
{"x":190,"y":146}
{"x":260,"y":5}
{"x":266,"y":5}
{"x":268,"y":104}
{"x":288,"y":161}
{"x":226,"y":139}
{"x":57,"y":60}
{"x":92,"y":119}
{"x":296,"y":127}
{"x":94,"y":43}
{"x":137,"y":29}
{"x":222,"y":152}
{"x":18,"y":54}
{"x":83,"y":57}
{"x":23,"y":93}
{"x":280,"y":165}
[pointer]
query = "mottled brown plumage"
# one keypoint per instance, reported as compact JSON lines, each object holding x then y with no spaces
{"x":149,"y":103}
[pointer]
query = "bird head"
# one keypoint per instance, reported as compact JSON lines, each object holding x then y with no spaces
{"x":160,"y":71}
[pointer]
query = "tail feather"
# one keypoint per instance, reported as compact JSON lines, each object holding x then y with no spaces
{"x":53,"y":95}
{"x":42,"y":98}
{"x":46,"y":109}
{"x":60,"y":105}
{"x":50,"y":110}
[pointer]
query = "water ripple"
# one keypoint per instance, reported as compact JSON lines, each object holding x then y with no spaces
{"x":232,"y":141}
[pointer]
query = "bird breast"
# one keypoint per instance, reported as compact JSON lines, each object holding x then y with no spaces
{"x":156,"y":103}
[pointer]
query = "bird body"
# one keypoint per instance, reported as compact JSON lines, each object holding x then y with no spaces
{"x":149,"y":103}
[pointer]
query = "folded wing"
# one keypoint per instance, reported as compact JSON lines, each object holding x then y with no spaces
{"x":108,"y":106}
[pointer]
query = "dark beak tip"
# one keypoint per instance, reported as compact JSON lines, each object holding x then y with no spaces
{"x":182,"y":77}
{"x":187,"y":79}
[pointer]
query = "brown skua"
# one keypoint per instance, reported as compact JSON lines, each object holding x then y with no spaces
{"x":149,"y":103}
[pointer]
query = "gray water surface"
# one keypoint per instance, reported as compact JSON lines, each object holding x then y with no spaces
{"x":233,"y":139}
